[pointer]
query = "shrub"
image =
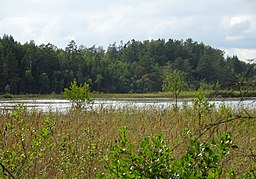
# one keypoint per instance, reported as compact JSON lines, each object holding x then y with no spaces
{"x":28,"y":145}
{"x":153,"y":158}
{"x":79,"y":96}
{"x":202,"y":160}
{"x":174,"y":82}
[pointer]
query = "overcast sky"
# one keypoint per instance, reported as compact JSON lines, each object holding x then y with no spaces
{"x":229,"y":25}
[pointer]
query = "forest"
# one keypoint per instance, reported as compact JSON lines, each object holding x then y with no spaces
{"x":131,"y":67}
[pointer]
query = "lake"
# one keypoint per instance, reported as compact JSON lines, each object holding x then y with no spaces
{"x":120,"y":104}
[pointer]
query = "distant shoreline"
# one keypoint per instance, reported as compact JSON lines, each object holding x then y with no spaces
{"x":185,"y":94}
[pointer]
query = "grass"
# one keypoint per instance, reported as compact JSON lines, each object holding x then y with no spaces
{"x":33,"y":96}
{"x":98,"y":95}
{"x":184,"y":94}
{"x":34,"y":144}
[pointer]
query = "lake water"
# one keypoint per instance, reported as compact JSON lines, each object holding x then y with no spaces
{"x":119,"y":104}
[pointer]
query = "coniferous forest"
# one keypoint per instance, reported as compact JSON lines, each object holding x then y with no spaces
{"x":131,"y":67}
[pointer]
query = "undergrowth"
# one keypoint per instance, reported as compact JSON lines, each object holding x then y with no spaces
{"x":193,"y":142}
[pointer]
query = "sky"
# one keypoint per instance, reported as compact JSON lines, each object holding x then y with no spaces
{"x":229,"y":25}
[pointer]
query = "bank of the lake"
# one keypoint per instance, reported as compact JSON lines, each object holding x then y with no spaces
{"x":184,"y":94}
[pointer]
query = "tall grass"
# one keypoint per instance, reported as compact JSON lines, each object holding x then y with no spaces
{"x":184,"y":94}
{"x":36,"y":144}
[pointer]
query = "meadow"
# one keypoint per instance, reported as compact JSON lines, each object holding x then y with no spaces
{"x":89,"y":144}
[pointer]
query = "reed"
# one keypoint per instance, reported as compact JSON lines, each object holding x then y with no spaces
{"x":36,"y":144}
{"x":184,"y":94}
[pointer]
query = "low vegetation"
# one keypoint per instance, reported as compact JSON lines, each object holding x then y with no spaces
{"x":79,"y":96}
{"x":196,"y":142}
{"x":184,"y":94}
{"x":174,"y":83}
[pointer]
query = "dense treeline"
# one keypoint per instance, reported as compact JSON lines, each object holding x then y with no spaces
{"x":127,"y":68}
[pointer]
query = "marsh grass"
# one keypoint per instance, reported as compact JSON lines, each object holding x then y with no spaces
{"x":183,"y":94}
{"x":67,"y":145}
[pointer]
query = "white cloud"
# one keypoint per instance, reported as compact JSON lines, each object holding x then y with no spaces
{"x":238,"y":31}
{"x":238,"y":19}
{"x":243,"y":54}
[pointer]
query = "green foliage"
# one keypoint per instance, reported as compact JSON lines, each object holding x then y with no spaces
{"x":74,"y":162}
{"x":36,"y":144}
{"x":174,"y":82}
{"x":80,"y":96}
{"x":202,"y":105}
{"x":7,"y":89}
{"x":151,"y":160}
{"x":154,"y":158}
{"x":26,"y":150}
{"x":251,"y":173}
{"x":135,"y":66}
{"x":203,"y":160}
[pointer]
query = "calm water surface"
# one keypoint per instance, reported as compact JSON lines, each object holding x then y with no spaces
{"x":125,"y":103}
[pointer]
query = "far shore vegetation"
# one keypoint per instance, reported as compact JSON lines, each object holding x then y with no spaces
{"x":134,"y":67}
{"x":183,"y":94}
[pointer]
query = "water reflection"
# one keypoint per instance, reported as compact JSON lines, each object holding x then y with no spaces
{"x":138,"y":103}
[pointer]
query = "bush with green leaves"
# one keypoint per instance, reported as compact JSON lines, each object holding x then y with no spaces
{"x":150,"y":161}
{"x":201,"y":105}
{"x":203,"y":160}
{"x":28,"y":145}
{"x":154,"y":159}
{"x":80,"y":96}
{"x":174,"y":83}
